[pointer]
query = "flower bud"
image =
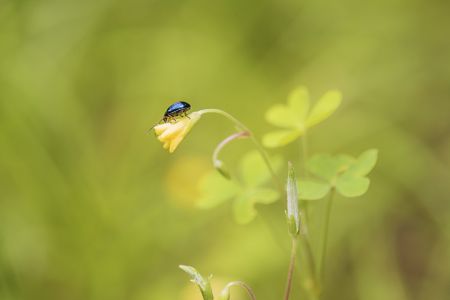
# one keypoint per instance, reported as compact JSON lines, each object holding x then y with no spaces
{"x":171,"y":134}
{"x":292,"y":212}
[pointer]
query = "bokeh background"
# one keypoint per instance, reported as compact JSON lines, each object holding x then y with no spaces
{"x":92,"y":207}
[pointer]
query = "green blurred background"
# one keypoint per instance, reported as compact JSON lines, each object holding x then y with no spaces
{"x":91,"y":205}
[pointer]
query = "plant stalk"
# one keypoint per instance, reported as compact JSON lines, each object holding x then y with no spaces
{"x":324,"y":238}
{"x":243,"y":285}
{"x":258,"y":146}
{"x":291,"y":268}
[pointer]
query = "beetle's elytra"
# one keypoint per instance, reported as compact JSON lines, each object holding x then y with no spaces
{"x":176,"y":109}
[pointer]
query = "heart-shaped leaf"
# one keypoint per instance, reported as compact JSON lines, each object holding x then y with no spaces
{"x":215,"y":189}
{"x":244,"y":205}
{"x":295,"y":117}
{"x":325,"y":107}
{"x":254,"y":170}
{"x":343,"y":172}
{"x":294,"y":113}
{"x":280,"y":138}
{"x":365,"y":163}
{"x":352,"y":186}
{"x":312,"y":190}
{"x":298,"y":102}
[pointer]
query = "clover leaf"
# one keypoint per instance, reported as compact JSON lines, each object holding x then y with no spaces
{"x":342,"y":172}
{"x":296,"y":117}
{"x":215,"y":189}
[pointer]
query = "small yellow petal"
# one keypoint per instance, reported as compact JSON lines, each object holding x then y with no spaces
{"x":160,"y":128}
{"x":175,"y":142}
{"x":172,"y":131}
{"x":171,"y":134}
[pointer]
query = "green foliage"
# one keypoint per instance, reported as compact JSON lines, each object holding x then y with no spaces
{"x":203,"y":283}
{"x":345,"y":173}
{"x":296,"y":117}
{"x":246,"y":193}
{"x":313,"y":190}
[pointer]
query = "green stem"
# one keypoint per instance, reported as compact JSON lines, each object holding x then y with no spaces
{"x":243,"y":285}
{"x":310,"y":281}
{"x":291,"y":268}
{"x":304,"y":142}
{"x":258,"y":146}
{"x":325,"y":227}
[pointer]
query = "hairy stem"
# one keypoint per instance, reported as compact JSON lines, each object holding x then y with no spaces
{"x":304,"y":151}
{"x":222,"y":144}
{"x":309,"y":274}
{"x":291,"y":268}
{"x":324,"y":238}
{"x":243,"y":285}
{"x":258,"y":146}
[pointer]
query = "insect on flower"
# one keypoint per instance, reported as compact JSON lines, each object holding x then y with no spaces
{"x":176,"y":125}
{"x":177,"y":109}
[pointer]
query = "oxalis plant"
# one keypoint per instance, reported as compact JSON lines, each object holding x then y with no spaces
{"x":324,"y":176}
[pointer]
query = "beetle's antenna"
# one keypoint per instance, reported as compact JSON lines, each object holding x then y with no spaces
{"x":159,"y":122}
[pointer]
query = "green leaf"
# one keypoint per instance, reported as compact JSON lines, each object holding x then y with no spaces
{"x":254,"y":170}
{"x":324,"y":166}
{"x":243,"y":209}
{"x":325,"y":107}
{"x":365,"y":163}
{"x":344,"y":161}
{"x":203,"y":284}
{"x":298,"y":102}
{"x":327,"y":166}
{"x":312,"y":190}
{"x":263,"y":195}
{"x":282,"y":116}
{"x":292,"y":115}
{"x":349,"y":185}
{"x":281,"y":138}
{"x":215,"y":189}
{"x":244,"y":205}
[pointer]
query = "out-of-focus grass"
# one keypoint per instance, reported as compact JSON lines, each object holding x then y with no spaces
{"x":91,"y":207}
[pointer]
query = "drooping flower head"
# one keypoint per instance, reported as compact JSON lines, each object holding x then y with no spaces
{"x":171,"y":134}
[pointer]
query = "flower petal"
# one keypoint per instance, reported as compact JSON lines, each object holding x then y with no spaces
{"x":175,"y":142}
{"x":172,"y":131}
{"x":160,"y":128}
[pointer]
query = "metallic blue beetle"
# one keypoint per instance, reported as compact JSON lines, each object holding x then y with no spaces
{"x":179,"y":108}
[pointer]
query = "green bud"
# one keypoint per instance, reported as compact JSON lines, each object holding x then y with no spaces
{"x":203,"y":284}
{"x":220,"y":167}
{"x":292,"y":212}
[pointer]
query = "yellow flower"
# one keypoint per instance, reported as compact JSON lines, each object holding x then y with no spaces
{"x":171,"y":134}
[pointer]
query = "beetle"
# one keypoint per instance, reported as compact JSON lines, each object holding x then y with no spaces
{"x":177,"y":109}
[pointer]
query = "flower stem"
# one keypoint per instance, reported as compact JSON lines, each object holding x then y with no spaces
{"x":218,"y":164}
{"x":243,"y":285}
{"x":291,"y":268}
{"x":258,"y":146}
{"x":325,"y":226}
{"x":222,"y":144}
{"x":304,"y":151}
{"x":309,"y":277}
